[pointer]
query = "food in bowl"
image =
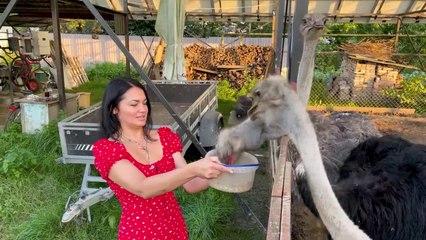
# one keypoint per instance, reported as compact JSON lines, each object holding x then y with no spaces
{"x":242,"y":178}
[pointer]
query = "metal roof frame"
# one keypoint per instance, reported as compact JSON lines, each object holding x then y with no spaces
{"x":263,"y":10}
{"x":361,"y":11}
{"x":25,"y":12}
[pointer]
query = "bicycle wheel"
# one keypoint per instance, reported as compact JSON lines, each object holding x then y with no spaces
{"x":20,"y":71}
{"x":4,"y":74}
{"x":14,"y":116}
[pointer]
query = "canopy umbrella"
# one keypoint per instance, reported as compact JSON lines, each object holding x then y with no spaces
{"x":169,"y":25}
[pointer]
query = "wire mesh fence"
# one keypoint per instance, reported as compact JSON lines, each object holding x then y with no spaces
{"x":342,"y":81}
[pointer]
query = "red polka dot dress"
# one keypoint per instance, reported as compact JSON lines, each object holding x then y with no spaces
{"x":153,"y":218}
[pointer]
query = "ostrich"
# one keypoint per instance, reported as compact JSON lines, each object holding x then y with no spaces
{"x":339,"y":132}
{"x":338,"y":135}
{"x":278,"y":111}
{"x":311,"y":29}
{"x":382,"y":187}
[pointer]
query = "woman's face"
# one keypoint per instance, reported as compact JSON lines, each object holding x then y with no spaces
{"x":132,"y":110}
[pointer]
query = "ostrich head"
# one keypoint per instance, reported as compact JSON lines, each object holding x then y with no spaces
{"x":274,"y":102}
{"x":312,"y":26}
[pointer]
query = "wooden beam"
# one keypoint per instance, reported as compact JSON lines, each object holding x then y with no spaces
{"x":213,"y":10}
{"x":258,"y":8}
{"x":285,"y":233}
{"x":274,"y":222}
{"x":360,"y":57}
{"x":375,"y":12}
{"x":232,"y":66}
{"x":243,"y":9}
{"x":374,"y":6}
{"x":338,"y":7}
{"x":279,"y":222}
{"x":151,"y":7}
{"x":220,"y":8}
{"x":205,"y":70}
{"x":410,"y":6}
{"x":117,"y":5}
{"x":140,"y":6}
{"x":398,"y":27}
{"x":379,"y":10}
{"x":159,"y":51}
{"x":413,"y":12}
{"x":147,"y":6}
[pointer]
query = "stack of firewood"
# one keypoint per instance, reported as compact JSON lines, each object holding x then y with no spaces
{"x":234,"y":64}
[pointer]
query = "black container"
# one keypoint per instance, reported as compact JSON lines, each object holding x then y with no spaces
{"x":13,"y":44}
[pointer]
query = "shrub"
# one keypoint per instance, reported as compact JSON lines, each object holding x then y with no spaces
{"x":412,"y":93}
{"x":20,"y":152}
{"x":226,"y":92}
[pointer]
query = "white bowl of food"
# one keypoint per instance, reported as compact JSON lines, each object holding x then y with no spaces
{"x":244,"y":168}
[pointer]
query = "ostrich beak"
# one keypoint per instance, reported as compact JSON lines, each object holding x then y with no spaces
{"x":252,"y":110}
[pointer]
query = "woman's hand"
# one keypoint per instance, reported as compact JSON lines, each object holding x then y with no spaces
{"x":209,"y":167}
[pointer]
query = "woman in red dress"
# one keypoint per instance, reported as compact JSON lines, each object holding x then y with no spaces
{"x":143,"y":166}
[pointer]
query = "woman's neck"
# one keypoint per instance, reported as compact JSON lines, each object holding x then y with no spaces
{"x":133,"y":133}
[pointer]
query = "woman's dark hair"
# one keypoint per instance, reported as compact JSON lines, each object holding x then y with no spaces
{"x":110,"y":125}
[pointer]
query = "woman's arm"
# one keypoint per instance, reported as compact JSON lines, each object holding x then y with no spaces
{"x":196,"y":184}
{"x":125,"y":174}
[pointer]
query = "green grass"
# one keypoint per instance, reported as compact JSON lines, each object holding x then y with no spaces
{"x":99,"y":75}
{"x":34,"y":188}
{"x":32,"y":198}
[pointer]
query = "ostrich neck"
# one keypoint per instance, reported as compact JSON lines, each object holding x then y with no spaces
{"x":332,"y":214}
{"x":306,"y":70}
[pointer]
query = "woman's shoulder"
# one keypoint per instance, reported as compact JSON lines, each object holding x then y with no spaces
{"x":172,"y":138}
{"x":107,"y":152}
{"x":108,"y":149}
{"x":105,"y":143}
{"x":165,"y":130}
{"x":168,"y":133}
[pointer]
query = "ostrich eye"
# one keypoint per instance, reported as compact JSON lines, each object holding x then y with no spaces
{"x":304,"y":20}
{"x":257,"y":93}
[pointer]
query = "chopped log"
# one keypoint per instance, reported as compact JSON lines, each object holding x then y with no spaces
{"x":205,"y":70}
{"x":252,"y":59}
{"x":232,"y":66}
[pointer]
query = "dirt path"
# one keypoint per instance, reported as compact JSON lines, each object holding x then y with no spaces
{"x":410,"y":128}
